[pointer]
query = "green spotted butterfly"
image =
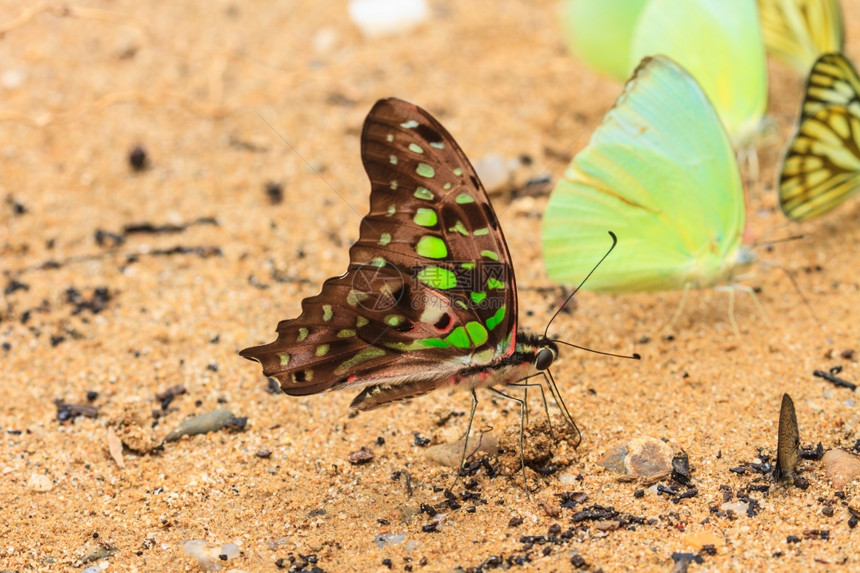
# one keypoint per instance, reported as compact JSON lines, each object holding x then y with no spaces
{"x":429,"y":298}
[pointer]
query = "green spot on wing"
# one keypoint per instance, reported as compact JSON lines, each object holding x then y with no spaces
{"x":458,"y":172}
{"x":446,"y":186}
{"x":409,"y":124}
{"x":345,"y":333}
{"x":468,"y":266}
{"x":437,"y":278}
{"x":422,"y":344}
{"x":431,"y":247}
{"x":478,"y":297}
{"x":477,"y":332}
{"x":392,"y":209}
{"x":284,"y":358}
{"x":359,"y":357}
{"x":423,"y":193}
{"x":490,"y":255}
{"x":497,"y":318}
{"x":425,"y":170}
{"x":425,"y":217}
{"x":464,"y":198}
{"x":394,"y":319}
{"x":355,"y":296}
{"x":437,"y":145}
{"x":393,"y":185}
{"x":458,"y":338}
{"x":303,"y":333}
{"x":322,"y":350}
{"x":392,"y":159}
{"x":459,"y":227}
{"x":384,"y":239}
{"x":327,"y":312}
{"x":481,"y":232}
{"x":377,"y":262}
{"x":415,"y":148}
{"x":495,"y":283}
{"x":360,"y":321}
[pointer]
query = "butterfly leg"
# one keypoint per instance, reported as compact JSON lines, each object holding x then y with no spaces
{"x":468,"y":431}
{"x":671,"y":324}
{"x":550,"y":382}
{"x":522,"y":384}
{"x":747,"y":289}
{"x":748,"y":157}
{"x":526,"y":399}
{"x":522,"y":433}
{"x":732,"y":312}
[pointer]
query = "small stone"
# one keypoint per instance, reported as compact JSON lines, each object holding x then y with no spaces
{"x":202,"y":424}
{"x":449,"y":454}
{"x":644,"y":458}
{"x":842,"y":468}
{"x":40,"y":482}
{"x":386,"y":17}
{"x":361,"y":456}
{"x":209,"y":555}
{"x":699,"y":539}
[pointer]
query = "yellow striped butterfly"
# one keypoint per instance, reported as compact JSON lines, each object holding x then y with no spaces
{"x":798,"y":31}
{"x":821,"y":167}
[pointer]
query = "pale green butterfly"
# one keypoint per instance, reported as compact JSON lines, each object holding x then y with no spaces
{"x":661,"y":173}
{"x":599,"y":32}
{"x":720,"y":43}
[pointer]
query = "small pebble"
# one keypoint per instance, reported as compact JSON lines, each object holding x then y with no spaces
{"x":40,"y":482}
{"x":451,"y":453}
{"x":210,"y":556}
{"x":842,"y":467}
{"x":387,"y":17}
{"x":202,"y":424}
{"x":361,"y":456}
{"x":645,"y":458}
{"x":699,"y":539}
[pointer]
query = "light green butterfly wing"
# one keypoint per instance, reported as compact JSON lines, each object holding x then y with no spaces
{"x":720,"y":43}
{"x":798,"y":31}
{"x":661,"y":173}
{"x":598,"y":32}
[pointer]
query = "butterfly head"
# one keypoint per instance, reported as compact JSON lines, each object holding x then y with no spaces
{"x":537,"y":349}
{"x":546,"y":354}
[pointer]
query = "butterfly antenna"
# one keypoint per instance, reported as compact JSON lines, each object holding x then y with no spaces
{"x":576,"y":290}
{"x":776,"y":241}
{"x":799,"y":292}
{"x":634,"y":356}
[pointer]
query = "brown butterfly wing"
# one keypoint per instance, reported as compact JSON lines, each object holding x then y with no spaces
{"x":429,"y":289}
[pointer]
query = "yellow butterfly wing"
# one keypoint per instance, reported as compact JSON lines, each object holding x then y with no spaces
{"x":798,"y":31}
{"x":821,"y":167}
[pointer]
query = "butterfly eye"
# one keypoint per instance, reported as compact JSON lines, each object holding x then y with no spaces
{"x":544,"y":359}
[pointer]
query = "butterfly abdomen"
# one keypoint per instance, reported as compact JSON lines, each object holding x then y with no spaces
{"x":507,"y":370}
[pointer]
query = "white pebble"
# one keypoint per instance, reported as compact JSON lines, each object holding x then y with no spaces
{"x":208,"y":554}
{"x":40,"y":482}
{"x":12,"y":79}
{"x":387,"y":17}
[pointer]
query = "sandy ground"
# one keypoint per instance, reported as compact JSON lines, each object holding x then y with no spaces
{"x":219,"y":94}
